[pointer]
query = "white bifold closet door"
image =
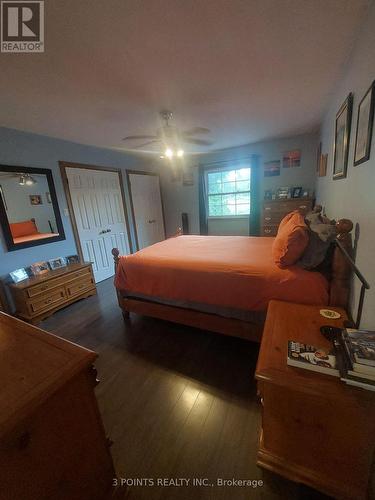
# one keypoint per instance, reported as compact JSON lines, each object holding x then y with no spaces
{"x":147,"y":208}
{"x":100,"y":217}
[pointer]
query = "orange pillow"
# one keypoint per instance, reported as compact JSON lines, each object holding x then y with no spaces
{"x":24,"y":228}
{"x":291,"y":240}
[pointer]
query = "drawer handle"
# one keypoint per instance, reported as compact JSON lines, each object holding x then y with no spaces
{"x":48,"y":301}
{"x":268,"y":218}
{"x":303,"y":206}
{"x":267,"y":231}
{"x":267,"y":208}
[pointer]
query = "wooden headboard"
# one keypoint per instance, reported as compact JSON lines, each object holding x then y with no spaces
{"x":341,"y":271}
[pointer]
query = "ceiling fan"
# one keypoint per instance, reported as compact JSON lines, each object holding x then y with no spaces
{"x":171,"y":137}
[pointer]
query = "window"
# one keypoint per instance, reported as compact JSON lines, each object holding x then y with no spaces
{"x":229,"y":193}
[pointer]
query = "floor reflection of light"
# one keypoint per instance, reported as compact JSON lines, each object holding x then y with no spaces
{"x":190,"y":395}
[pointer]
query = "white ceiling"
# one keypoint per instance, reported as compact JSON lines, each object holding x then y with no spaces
{"x":247,"y":69}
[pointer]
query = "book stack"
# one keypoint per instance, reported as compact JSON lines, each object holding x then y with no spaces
{"x":355,"y":353}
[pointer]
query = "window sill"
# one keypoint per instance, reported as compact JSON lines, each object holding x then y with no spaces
{"x":229,"y":217}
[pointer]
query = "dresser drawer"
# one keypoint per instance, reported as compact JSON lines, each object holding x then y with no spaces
{"x":82,"y":273}
{"x":270,"y":230}
{"x":47,"y":301}
{"x":287,"y":206}
{"x":272,"y":218}
{"x":79,"y":286}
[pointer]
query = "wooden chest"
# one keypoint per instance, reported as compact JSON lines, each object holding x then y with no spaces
{"x":275,"y":210}
{"x":315,"y":429}
{"x":40,"y":296}
{"x":52,"y":440}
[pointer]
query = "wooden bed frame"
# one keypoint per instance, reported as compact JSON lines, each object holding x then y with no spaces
{"x":340,"y":280}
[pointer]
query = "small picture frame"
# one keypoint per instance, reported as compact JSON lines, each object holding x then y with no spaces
{"x":296,"y":192}
{"x":39,"y":268}
{"x":305,"y":193}
{"x":57,"y":263}
{"x":19,"y":275}
{"x":72,"y":259}
{"x":365,"y":120}
{"x":283,"y":193}
{"x":35,"y":199}
{"x":268,"y":194}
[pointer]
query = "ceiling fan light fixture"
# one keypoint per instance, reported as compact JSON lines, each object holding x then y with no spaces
{"x":180,"y":153}
{"x":169,"y":153}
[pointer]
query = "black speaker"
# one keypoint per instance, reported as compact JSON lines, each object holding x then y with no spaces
{"x":185,"y":223}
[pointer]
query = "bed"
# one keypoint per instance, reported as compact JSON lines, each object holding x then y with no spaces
{"x":222,"y":283}
{"x":27,"y":230}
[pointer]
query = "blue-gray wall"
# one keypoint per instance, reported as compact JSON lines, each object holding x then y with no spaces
{"x":354,"y":197}
{"x":31,"y":150}
{"x":179,"y":198}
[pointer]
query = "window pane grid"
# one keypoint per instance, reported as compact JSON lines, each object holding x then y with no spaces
{"x":229,"y":193}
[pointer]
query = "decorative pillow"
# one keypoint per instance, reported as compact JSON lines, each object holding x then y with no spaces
{"x":24,"y":228}
{"x":322,"y":233}
{"x":291,"y":240}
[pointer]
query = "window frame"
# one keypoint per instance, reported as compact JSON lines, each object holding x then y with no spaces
{"x":229,"y":216}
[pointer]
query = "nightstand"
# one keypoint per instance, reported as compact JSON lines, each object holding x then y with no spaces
{"x":316,"y":430}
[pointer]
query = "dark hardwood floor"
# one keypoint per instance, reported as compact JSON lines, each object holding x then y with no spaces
{"x":177,"y":402}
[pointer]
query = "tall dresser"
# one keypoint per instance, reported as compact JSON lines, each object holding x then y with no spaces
{"x":275,"y":210}
{"x":53,"y":444}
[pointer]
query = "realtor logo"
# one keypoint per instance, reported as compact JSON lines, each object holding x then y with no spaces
{"x":22,"y":26}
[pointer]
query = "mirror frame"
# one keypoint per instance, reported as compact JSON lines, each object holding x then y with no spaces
{"x":4,"y":217}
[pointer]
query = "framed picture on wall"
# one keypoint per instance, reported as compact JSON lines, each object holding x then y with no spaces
{"x":292,"y":158}
{"x":36,"y":199}
{"x":365,"y":120}
{"x":342,"y":138}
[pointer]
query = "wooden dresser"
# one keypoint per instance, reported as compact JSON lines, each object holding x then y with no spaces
{"x":275,"y":210}
{"x":315,"y":429}
{"x":53,"y":444}
{"x":40,"y":296}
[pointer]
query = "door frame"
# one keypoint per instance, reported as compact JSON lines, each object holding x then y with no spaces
{"x":142,"y":172}
{"x":66,"y":164}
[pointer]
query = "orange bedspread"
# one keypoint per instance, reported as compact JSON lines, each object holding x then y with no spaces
{"x":226,"y":271}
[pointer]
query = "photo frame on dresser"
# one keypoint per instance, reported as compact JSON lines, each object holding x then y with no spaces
{"x":342,"y":138}
{"x":365,"y":119}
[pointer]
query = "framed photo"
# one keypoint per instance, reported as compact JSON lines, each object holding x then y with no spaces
{"x":73,"y":259}
{"x":57,"y":263}
{"x":292,"y":159}
{"x":271,"y":168}
{"x":36,"y":199}
{"x":305,"y":193}
{"x":318,"y":157}
{"x":40,"y":268}
{"x":365,"y":121}
{"x":296,"y":192}
{"x":283,"y":193}
{"x":187,"y":176}
{"x":19,"y":275}
{"x":48,"y":197}
{"x":268,"y":194}
{"x":323,"y":165}
{"x":342,"y":138}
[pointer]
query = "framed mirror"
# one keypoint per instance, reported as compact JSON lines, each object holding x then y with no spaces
{"x":29,"y":211}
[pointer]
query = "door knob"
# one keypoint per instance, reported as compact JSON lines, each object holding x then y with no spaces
{"x":151,"y":221}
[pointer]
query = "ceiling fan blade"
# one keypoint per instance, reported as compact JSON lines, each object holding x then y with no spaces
{"x":199,"y":142}
{"x":146,"y":144}
{"x":196,"y":130}
{"x":134,"y":137}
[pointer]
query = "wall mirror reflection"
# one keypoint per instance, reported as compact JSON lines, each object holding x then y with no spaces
{"x":28,"y":207}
